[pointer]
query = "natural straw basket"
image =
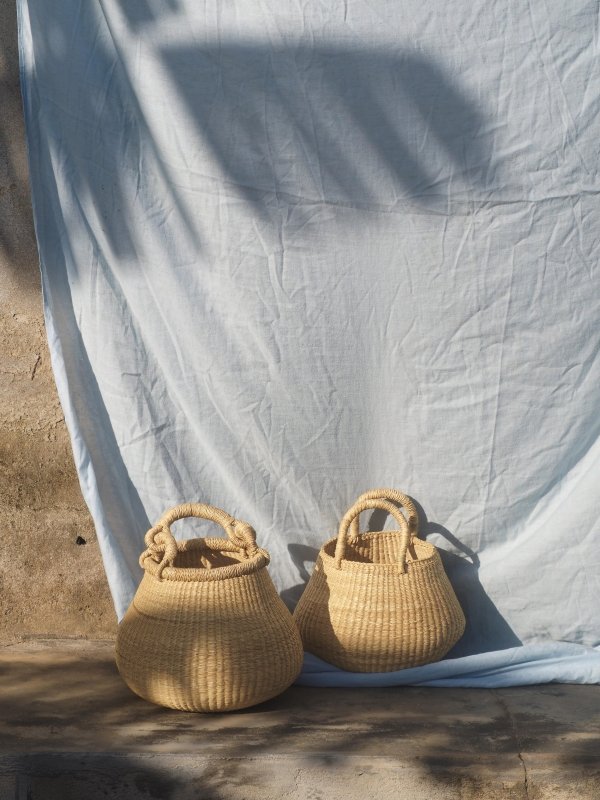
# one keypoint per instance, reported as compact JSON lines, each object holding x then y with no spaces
{"x":379,"y":602}
{"x":206,"y":630}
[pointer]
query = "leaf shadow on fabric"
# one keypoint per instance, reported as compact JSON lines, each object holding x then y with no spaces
{"x":141,"y":13}
{"x":276,"y":126}
{"x":323,"y":124}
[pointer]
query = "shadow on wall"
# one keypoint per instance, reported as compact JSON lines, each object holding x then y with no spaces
{"x":486,"y":629}
{"x":275,"y":127}
{"x":17,"y":238}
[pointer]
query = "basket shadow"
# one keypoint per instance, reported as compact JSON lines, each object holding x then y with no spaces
{"x":301,"y":554}
{"x":486,"y":629}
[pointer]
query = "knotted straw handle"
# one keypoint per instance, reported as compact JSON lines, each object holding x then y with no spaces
{"x":353,"y":513}
{"x":160,"y":538}
{"x":393,"y":495}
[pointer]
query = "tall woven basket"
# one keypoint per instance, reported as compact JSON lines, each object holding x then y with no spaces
{"x":379,"y":602}
{"x":206,"y":630}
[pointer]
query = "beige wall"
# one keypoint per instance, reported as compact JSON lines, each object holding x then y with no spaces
{"x":49,"y":584}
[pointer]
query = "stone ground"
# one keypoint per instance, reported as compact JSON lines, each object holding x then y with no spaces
{"x":71,"y":730}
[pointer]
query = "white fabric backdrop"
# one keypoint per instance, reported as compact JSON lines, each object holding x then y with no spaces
{"x":294,"y":251}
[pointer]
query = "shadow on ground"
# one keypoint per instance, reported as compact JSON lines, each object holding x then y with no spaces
{"x":71,"y":729}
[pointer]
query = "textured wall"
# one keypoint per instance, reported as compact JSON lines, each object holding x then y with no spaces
{"x":49,"y":584}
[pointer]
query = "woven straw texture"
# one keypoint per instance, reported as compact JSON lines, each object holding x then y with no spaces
{"x":206,"y":630}
{"x":379,"y":602}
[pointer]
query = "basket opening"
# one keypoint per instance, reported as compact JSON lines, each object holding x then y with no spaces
{"x":378,"y":547}
{"x":206,"y":559}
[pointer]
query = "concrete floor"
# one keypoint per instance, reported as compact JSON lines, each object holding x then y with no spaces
{"x":71,"y":730}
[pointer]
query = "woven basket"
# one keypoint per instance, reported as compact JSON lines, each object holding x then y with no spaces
{"x":379,"y":602}
{"x":206,"y":630}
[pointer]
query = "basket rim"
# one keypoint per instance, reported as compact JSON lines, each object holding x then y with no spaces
{"x":392,"y":567}
{"x":247,"y":566}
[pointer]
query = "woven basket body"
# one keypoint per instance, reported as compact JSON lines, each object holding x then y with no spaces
{"x":380,"y":601}
{"x":206,"y":630}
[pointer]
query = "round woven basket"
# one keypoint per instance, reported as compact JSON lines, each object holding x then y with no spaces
{"x":206,"y":630}
{"x":379,"y":602}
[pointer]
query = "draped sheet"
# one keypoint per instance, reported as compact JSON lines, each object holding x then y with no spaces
{"x":293,"y":251}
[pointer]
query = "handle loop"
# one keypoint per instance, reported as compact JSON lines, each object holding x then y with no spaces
{"x":354,"y":512}
{"x":162,"y":546}
{"x":393,"y":495}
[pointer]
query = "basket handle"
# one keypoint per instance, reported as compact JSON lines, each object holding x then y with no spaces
{"x":159,"y":538}
{"x":354,"y":512}
{"x":394,"y":496}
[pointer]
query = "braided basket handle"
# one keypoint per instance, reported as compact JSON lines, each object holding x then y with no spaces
{"x":394,"y":496}
{"x":160,"y":538}
{"x":353,"y":514}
